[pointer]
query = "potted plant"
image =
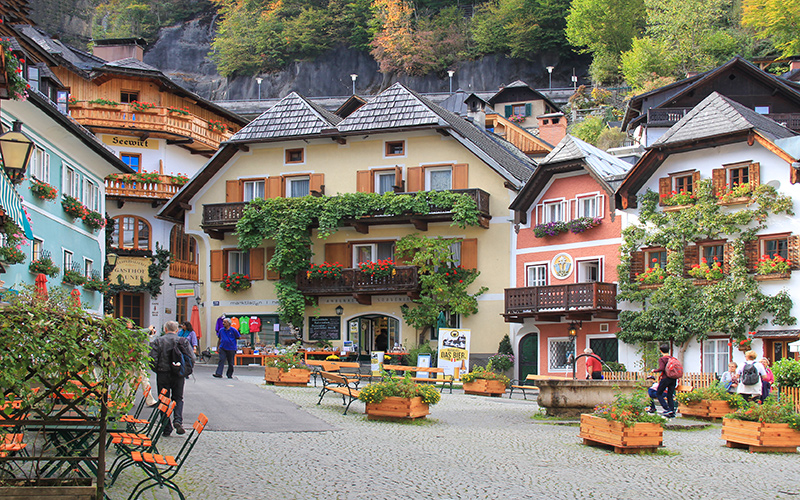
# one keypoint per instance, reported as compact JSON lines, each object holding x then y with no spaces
{"x":549,"y":229}
{"x":216,"y":125}
{"x":703,"y":271}
{"x":179,"y":111}
{"x":94,"y":220}
{"x":380,"y":269}
{"x":325,"y":270}
{"x":73,"y":276}
{"x":96,"y":283}
{"x":73,"y":207}
{"x":484,"y":382}
{"x":652,"y":275}
{"x":624,"y":424}
{"x":141,"y":105}
{"x":288,"y":368}
{"x":502,"y":362}
{"x":678,"y":199}
{"x":398,"y":398}
{"x":104,"y":102}
{"x":11,"y":255}
{"x":773,"y":267}
{"x":773,"y":426}
{"x":43,"y":190}
{"x":44,"y":265}
{"x":581,"y":224}
{"x":708,"y":402}
{"x":235,"y":282}
{"x":739,"y":193}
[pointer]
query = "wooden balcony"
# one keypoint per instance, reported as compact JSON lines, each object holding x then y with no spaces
{"x":189,"y":131}
{"x":182,"y":269}
{"x":362,"y":286}
{"x":667,"y":117}
{"x":219,"y":218}
{"x":123,"y":190}
{"x":574,"y":301}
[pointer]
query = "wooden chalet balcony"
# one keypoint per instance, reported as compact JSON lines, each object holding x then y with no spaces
{"x":122,"y":189}
{"x":189,"y":131}
{"x":575,"y":301}
{"x":667,"y":117}
{"x":183,"y":269}
{"x":219,"y":218}
{"x":362,"y":286}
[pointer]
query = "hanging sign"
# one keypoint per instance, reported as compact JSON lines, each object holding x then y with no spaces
{"x":184,"y":292}
{"x":130,"y":142}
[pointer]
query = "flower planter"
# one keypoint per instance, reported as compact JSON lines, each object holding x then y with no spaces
{"x":706,"y":408}
{"x":642,"y":436}
{"x":760,"y":437}
{"x":393,"y":408}
{"x":651,"y":287}
{"x":698,"y":282}
{"x":484,"y":387}
{"x":741,"y":200}
{"x":295,"y":377}
{"x":773,"y":276}
{"x":675,"y":208}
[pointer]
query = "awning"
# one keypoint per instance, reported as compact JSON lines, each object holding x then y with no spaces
{"x":11,"y":203}
{"x":794,"y":346}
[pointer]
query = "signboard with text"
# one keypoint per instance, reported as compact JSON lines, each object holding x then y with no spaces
{"x":133,"y":270}
{"x":454,"y":350}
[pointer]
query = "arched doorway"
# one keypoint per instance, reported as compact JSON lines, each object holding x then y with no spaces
{"x":365,"y":332}
{"x":529,"y":355}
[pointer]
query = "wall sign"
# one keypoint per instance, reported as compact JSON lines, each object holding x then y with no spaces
{"x":133,"y":270}
{"x":130,"y":142}
{"x":561,"y":266}
{"x":324,"y":328}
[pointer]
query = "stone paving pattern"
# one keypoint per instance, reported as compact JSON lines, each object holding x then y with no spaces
{"x":469,"y":447}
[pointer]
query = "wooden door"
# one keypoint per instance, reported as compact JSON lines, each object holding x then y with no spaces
{"x":131,"y":306}
{"x":529,"y":355}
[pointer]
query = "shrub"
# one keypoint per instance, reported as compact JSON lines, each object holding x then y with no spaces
{"x":400,"y":388}
{"x":505,"y":345}
{"x":502,"y":362}
{"x":628,"y":409}
{"x":787,"y":372}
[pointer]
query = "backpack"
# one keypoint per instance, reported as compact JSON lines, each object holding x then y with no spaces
{"x":750,"y":374}
{"x":181,"y":364}
{"x":674,"y":368}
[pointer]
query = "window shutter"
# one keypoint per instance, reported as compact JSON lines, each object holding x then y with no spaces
{"x":727,"y":255}
{"x":637,"y":265}
{"x":755,"y":176}
{"x":469,"y":253}
{"x":460,"y":176}
{"x":695,"y":180}
{"x":794,"y":251}
{"x":691,"y":256}
{"x":338,"y":252}
{"x":316,"y":183}
{"x":664,"y":189}
{"x":718,"y":181}
{"x":233,"y":191}
{"x":601,"y":205}
{"x":398,"y":178}
{"x":416,"y":179}
{"x":508,"y":110}
{"x":271,"y":275}
{"x":364,"y":182}
{"x":751,"y":254}
{"x":256,"y":263}
{"x":274,"y":187}
{"x":527,"y":109}
{"x":217,"y":264}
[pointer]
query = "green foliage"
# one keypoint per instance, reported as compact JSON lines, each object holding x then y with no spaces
{"x":715,"y":392}
{"x":502,"y":362}
{"x":505,"y":345}
{"x":399,"y":387}
{"x":290,"y":358}
{"x":481,"y":373}
{"x":770,"y":411}
{"x":628,"y":409}
{"x":611,"y":137}
{"x":143,"y":18}
{"x":159,"y":264}
{"x":44,"y":265}
{"x":413,"y":354}
{"x":73,"y":276}
{"x":647,"y":59}
{"x":787,"y":372}
{"x":615,"y":367}
{"x":776,"y":20}
{"x":589,"y":129}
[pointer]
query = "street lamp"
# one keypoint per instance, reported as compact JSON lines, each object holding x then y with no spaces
{"x":574,"y":80}
{"x":15,"y":151}
{"x":550,"y":75}
{"x":450,"y":73}
{"x":339,"y":310}
{"x":353,"y":77}
{"x":259,"y":80}
{"x":111,"y":260}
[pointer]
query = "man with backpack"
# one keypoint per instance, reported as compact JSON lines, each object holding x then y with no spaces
{"x":173,"y":360}
{"x":671,"y":370}
{"x":750,"y":376}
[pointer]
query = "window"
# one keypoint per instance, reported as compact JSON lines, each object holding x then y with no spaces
{"x":713,"y":253}
{"x":384,"y":182}
{"x":775,"y":245}
{"x":62,"y":100}
{"x":252,"y":190}
{"x":536,"y":275}
{"x":438,"y":178}
{"x":40,"y":164}
{"x":67,"y":262}
{"x":71,"y":183}
{"x":91,"y":195}
{"x":762,"y":110}
{"x":33,"y":77}
{"x":294,"y":155}
{"x":590,"y":206}
{"x":395,"y":148}
{"x":87,"y":267}
{"x":455,"y":252}
{"x":683,"y":183}
{"x":238,"y":262}
{"x":738,"y":176}
{"x":297,"y":187}
{"x":589,"y":271}
{"x":607,"y":348}
{"x":561,"y":353}
{"x":128,"y":96}
{"x":372,"y":252}
{"x":716,"y":356}
{"x":181,"y":245}
{"x":36,"y":249}
{"x":554,"y":212}
{"x":182,"y":309}
{"x":656,"y":257}
{"x":135,"y":233}
{"x":132,"y":160}
{"x":518,"y":109}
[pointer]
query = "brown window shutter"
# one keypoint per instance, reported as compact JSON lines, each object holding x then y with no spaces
{"x":751,"y":254}
{"x":398,"y":179}
{"x":316,"y":183}
{"x":718,"y":181}
{"x":274,"y":187}
{"x":695,"y":180}
{"x":727,"y":255}
{"x":271,"y":275}
{"x":637,"y":265}
{"x":460,"y":176}
{"x":691,"y":256}
{"x":664,"y":189}
{"x":794,"y":251}
{"x":337,"y":252}
{"x":469,"y":253}
{"x":256,"y":263}
{"x":364,"y":182}
{"x":233,"y":191}
{"x":755,"y":176}
{"x":794,"y":175}
{"x":217,"y":264}
{"x":416,"y":179}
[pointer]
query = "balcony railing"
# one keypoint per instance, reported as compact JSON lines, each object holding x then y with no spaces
{"x":183,"y":269}
{"x":362,"y":285}
{"x":163,"y":190}
{"x":668,"y":117}
{"x":550,"y":303}
{"x":155,"y":120}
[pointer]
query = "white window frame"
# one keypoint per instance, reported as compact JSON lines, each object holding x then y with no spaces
{"x":91,"y":195}
{"x":88,"y":267}
{"x":550,"y":366}
{"x":37,"y":243}
{"x":556,"y":205}
{"x":292,"y":179}
{"x":40,"y":164}
{"x":537,"y":268}
{"x":373,"y":249}
{"x":71,"y":182}
{"x":718,"y":350}
{"x":580,"y":209}
{"x":252,"y":186}
{"x":579,"y":266}
{"x":67,"y":259}
{"x":384,"y":173}
{"x":241,"y":259}
{"x":430,"y":170}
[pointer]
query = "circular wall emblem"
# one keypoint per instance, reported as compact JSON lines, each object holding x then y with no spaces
{"x":561,"y":266}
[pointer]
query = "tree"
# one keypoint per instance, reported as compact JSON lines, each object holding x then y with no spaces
{"x":775,"y":19}
{"x":648,"y":59}
{"x":605,"y":26}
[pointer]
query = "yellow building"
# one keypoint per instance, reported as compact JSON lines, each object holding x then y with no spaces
{"x":397,"y":142}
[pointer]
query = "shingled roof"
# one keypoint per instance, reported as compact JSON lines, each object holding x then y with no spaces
{"x":395,"y":107}
{"x":293,"y":116}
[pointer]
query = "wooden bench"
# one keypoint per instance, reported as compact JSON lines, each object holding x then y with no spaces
{"x":523,"y":387}
{"x":331,"y":382}
{"x":348,"y":369}
{"x":434,"y":372}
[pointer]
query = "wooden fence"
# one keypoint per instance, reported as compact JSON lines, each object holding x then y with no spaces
{"x":793,"y":393}
{"x":688,"y":379}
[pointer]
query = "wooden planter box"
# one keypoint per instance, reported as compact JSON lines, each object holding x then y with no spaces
{"x":741,"y":200}
{"x":705,"y":409}
{"x":773,"y":276}
{"x":295,"y":377}
{"x":760,"y":437}
{"x":393,"y":408}
{"x":642,"y":436}
{"x":675,"y":208}
{"x":483,"y":387}
{"x":50,"y":489}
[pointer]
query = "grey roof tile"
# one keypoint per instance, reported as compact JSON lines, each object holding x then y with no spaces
{"x":291,"y":116}
{"x":571,"y":149}
{"x":395,"y":107}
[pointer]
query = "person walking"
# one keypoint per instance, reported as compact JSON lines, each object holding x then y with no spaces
{"x":161,"y":350}
{"x":594,"y":368}
{"x":226,"y":347}
{"x":767,"y":380}
{"x":751,"y":373}
{"x":666,"y":385}
{"x":187,"y":331}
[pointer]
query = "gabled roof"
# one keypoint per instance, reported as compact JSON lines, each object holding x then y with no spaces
{"x":351,"y":104}
{"x":572,"y":154}
{"x":293,"y":116}
{"x":395,"y":107}
{"x":520,"y":85}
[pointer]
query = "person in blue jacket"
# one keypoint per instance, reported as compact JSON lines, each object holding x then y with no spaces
{"x":226,"y":347}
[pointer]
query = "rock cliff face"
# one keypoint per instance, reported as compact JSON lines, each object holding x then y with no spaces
{"x":69,"y":20}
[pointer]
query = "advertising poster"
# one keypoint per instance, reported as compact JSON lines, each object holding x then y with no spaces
{"x":423,"y":361}
{"x":376,"y":360}
{"x":454,"y":350}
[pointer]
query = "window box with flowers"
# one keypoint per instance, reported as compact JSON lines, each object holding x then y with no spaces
{"x":11,"y":252}
{"x":379,"y":269}
{"x":140,"y":106}
{"x":11,"y":255}
{"x":216,"y":125}
{"x":44,"y":265}
{"x":652,"y":277}
{"x":17,"y":85}
{"x":235,"y":282}
{"x":73,"y":207}
{"x":738,"y":195}
{"x":73,"y":277}
{"x":517,"y":118}
{"x":703,"y":271}
{"x":582,"y":224}
{"x":773,"y":268}
{"x":103,"y":102}
{"x":677,"y":200}
{"x":549,"y":229}
{"x":94,"y":220}
{"x":326,"y":270}
{"x":43,"y":190}
{"x":96,"y":283}
{"x":179,"y":111}
{"x":624,"y":424}
{"x":743,"y":344}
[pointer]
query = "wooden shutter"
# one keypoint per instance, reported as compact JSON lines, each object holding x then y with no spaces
{"x":256,"y":263}
{"x":364,"y":182}
{"x":233,"y":191}
{"x":271,"y":275}
{"x":727,"y":256}
{"x":794,"y":251}
{"x":755,"y":176}
{"x":274,"y":188}
{"x":398,"y":179}
{"x":217,"y":264}
{"x":337,"y":252}
{"x":691,"y":256}
{"x":316,"y":183}
{"x":664,"y":189}
{"x":637,"y":265}
{"x":718,"y":181}
{"x":416,"y":179}
{"x":469,"y":253}
{"x":794,"y":175}
{"x":508,"y":110}
{"x":695,"y":180}
{"x":751,"y":254}
{"x":460,"y":176}
{"x":527,"y":109}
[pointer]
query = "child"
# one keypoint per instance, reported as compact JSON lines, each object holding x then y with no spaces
{"x":653,"y":394}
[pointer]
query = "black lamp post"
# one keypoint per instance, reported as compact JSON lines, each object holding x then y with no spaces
{"x":15,"y":150}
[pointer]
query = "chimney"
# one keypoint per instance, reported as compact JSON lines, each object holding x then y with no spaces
{"x":552,"y":127}
{"x":794,"y":63}
{"x":115,"y":49}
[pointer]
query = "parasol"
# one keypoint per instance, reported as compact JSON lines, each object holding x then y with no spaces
{"x":195,"y":321}
{"x":41,"y":285}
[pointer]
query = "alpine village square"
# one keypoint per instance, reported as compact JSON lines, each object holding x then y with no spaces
{"x":394,"y":249}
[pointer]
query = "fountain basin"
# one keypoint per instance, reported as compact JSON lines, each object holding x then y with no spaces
{"x":562,"y":397}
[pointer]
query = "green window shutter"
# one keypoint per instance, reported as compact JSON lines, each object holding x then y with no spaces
{"x":508,"y":111}
{"x":528,"y":109}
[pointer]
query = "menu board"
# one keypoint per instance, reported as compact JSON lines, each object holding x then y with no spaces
{"x":324,"y":328}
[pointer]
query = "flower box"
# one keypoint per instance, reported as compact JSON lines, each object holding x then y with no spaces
{"x":740,"y":200}
{"x":641,"y":436}
{"x":705,"y":408}
{"x":675,"y":208}
{"x":397,"y":408}
{"x":651,"y":287}
{"x":485,"y":387}
{"x":295,"y":377}
{"x":760,"y":437}
{"x":773,"y":276}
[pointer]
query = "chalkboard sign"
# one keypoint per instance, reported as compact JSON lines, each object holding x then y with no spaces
{"x":324,"y":328}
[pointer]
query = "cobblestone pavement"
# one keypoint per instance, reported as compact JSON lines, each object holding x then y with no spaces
{"x":468,"y":448}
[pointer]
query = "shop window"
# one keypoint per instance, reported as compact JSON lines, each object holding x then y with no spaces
{"x":132,"y":160}
{"x":295,"y":155}
{"x":536,"y":275}
{"x":395,"y":148}
{"x":131,"y":232}
{"x":561,"y":353}
{"x":716,"y":355}
{"x":128,"y":96}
